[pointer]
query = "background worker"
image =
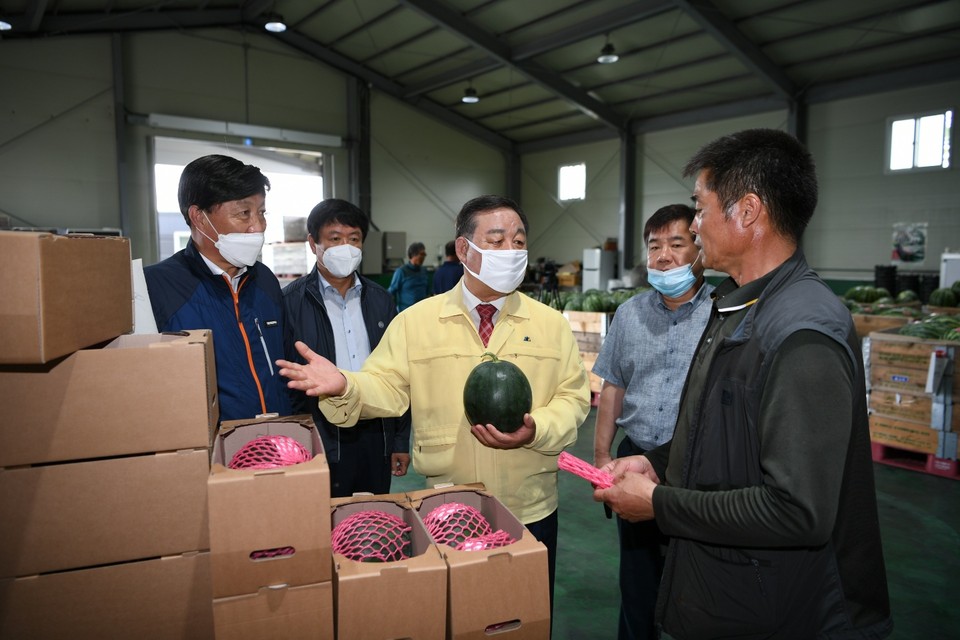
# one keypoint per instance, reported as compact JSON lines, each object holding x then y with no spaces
{"x":409,"y":282}
{"x":643,"y":363}
{"x":450,"y":270}
{"x":342,"y":315}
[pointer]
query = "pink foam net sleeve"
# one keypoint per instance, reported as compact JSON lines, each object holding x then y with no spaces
{"x":494,"y":540}
{"x":452,"y":522}
{"x":269,"y":452}
{"x":372,"y":536}
{"x":585,"y":470}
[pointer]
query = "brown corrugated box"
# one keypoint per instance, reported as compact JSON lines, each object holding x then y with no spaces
{"x":287,"y":613}
{"x":138,"y":394}
{"x":257,"y":510}
{"x":159,"y":598}
{"x":59,"y":294}
{"x":420,"y":581}
{"x":81,"y":514}
{"x":503,"y":592}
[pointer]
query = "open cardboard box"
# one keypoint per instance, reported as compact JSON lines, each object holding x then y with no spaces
{"x":59,"y":294}
{"x":283,"y":511}
{"x":402,"y":599}
{"x":290,"y":613}
{"x":138,"y":394}
{"x":503,"y":592}
{"x":165,"y":597}
{"x":81,"y":514}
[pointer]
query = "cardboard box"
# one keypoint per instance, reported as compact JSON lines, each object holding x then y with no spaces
{"x":138,"y":394}
{"x":590,"y":359}
{"x":159,"y":598}
{"x":59,"y":294}
{"x":81,"y":514}
{"x":503,"y":591}
{"x":922,"y":408}
{"x":903,"y":435}
{"x":589,"y":321}
{"x":590,"y":342}
{"x":889,"y":348}
{"x":421,"y":580}
{"x":257,"y":512}
{"x":865,"y":324}
{"x":568,"y":279}
{"x":290,"y":613}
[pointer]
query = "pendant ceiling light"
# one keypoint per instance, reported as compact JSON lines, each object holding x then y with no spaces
{"x":470,"y":96}
{"x":608,"y":55}
{"x":275,"y":23}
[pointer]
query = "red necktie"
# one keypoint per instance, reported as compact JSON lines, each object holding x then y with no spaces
{"x":486,"y":312}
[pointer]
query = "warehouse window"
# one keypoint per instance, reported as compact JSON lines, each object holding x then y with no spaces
{"x":572,"y":182}
{"x":919,"y":142}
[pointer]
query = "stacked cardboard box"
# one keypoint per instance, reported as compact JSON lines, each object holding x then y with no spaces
{"x":912,"y":391}
{"x":501,"y":592}
{"x":270,"y":537}
{"x":401,"y":599}
{"x":59,"y":294}
{"x":446,"y":593}
{"x":589,"y":329}
{"x":867,"y":323}
{"x":103,"y":452}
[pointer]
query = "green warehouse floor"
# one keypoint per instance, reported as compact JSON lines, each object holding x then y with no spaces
{"x":919,"y":516}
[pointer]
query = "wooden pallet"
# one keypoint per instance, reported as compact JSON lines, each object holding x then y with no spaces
{"x":915,"y":461}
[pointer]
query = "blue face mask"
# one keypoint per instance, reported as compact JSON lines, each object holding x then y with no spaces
{"x":675,"y":282}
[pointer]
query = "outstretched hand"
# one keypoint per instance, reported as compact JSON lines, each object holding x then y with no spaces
{"x":490,"y":436}
{"x":631,"y":495}
{"x":318,"y":377}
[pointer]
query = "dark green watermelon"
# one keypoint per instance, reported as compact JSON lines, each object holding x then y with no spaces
{"x":497,"y":392}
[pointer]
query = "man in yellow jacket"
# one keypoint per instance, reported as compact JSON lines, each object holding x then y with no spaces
{"x":429,"y":350}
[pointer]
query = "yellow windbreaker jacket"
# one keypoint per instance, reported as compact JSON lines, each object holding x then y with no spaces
{"x":423,"y":362}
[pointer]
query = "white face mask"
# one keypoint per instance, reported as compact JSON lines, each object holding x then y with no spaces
{"x":239,"y":249}
{"x":500,"y":269}
{"x":341,"y":260}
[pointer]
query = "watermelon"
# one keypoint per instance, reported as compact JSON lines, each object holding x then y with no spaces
{"x":943,"y":297}
{"x":907,"y":296}
{"x":497,"y":392}
{"x":594,"y":302}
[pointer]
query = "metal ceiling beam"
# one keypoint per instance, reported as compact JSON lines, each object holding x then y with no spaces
{"x":711,"y":20}
{"x":465,"y":72}
{"x":581,"y":31}
{"x":133,"y":21}
{"x":914,"y":76}
{"x":35,"y":11}
{"x":454,"y":22}
{"x":330,"y":57}
{"x":736,"y":109}
{"x":595,"y":26}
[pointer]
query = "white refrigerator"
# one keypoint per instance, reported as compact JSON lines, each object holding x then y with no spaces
{"x":599,"y":267}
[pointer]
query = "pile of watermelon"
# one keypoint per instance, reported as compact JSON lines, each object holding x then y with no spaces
{"x":934,"y":327}
{"x":946,"y":296}
{"x":590,"y":300}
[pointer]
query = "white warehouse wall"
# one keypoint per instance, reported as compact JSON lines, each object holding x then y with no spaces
{"x":422,"y":172}
{"x":58,"y":151}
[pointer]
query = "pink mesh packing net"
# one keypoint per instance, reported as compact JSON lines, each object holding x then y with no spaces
{"x":269,"y":452}
{"x":494,"y":540}
{"x":269,"y":554}
{"x":585,"y":470}
{"x":372,"y":536}
{"x":452,"y":522}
